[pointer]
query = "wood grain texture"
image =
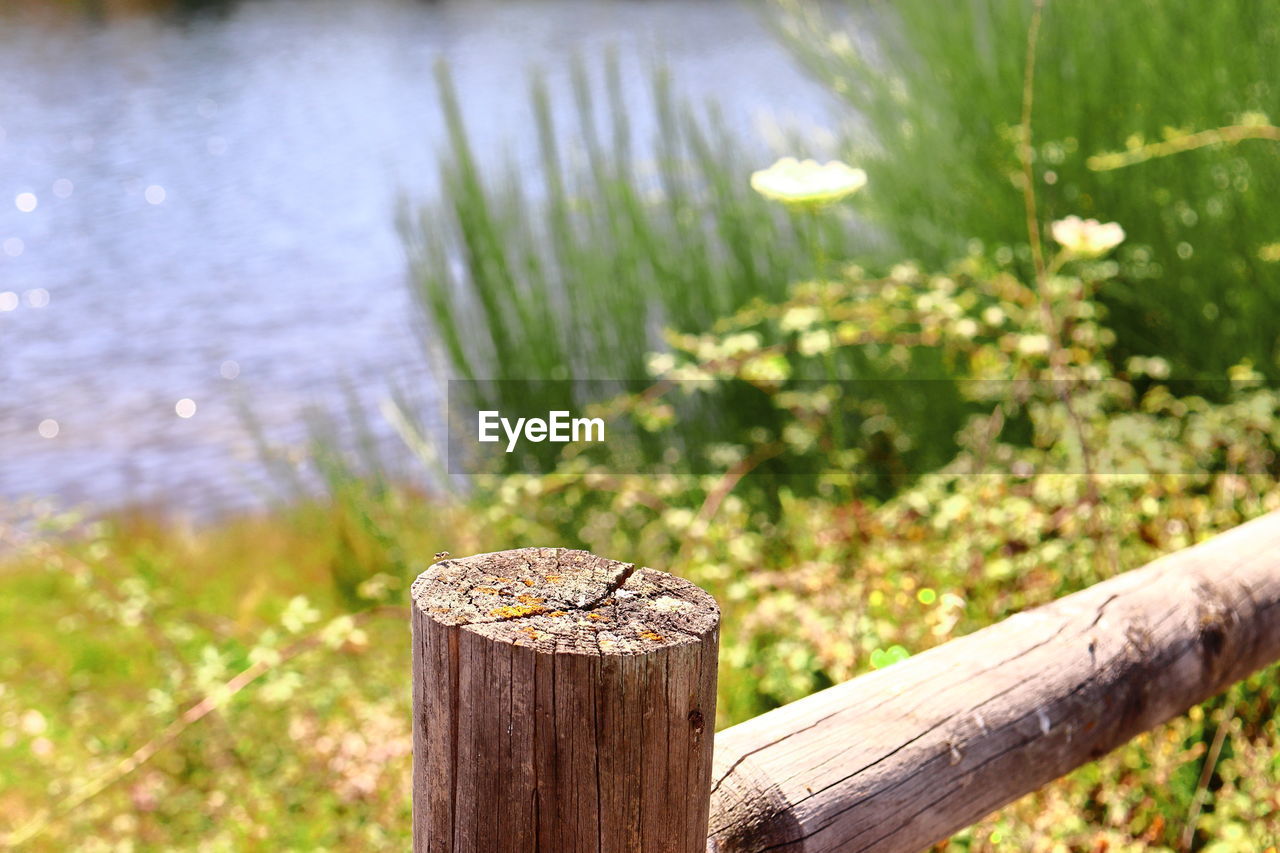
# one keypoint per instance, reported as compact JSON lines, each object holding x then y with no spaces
{"x":563,"y":703}
{"x":903,"y":757}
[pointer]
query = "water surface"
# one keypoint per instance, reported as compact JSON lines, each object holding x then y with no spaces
{"x":200,"y":207}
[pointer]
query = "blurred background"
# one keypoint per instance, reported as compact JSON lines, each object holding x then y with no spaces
{"x":200,"y":204}
{"x":245,"y":246}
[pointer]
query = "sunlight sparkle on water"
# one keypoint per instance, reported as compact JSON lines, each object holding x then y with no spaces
{"x":48,"y":428}
{"x":13,"y":246}
{"x":186,"y":407}
{"x":37,"y":298}
{"x":26,"y":202}
{"x":155,"y":194}
{"x":62,"y":188}
{"x":229,"y":370}
{"x":8,"y":300}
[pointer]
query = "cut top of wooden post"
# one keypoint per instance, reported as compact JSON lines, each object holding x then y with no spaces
{"x":565,"y":601}
{"x":563,"y":703}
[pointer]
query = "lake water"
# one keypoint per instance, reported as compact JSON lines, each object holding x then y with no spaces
{"x":197,"y":210}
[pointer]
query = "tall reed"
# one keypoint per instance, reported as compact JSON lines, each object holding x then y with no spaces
{"x":573,"y":272}
{"x":938,"y":90}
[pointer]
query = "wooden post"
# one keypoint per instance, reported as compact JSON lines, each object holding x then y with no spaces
{"x":899,"y":759}
{"x":563,"y":703}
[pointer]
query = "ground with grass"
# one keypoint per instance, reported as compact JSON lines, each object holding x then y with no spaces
{"x":245,"y":685}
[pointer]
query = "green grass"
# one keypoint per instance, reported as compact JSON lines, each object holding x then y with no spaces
{"x":574,"y":271}
{"x":117,"y":632}
{"x":939,"y":93}
{"x":130,"y":717}
{"x":114,"y":633}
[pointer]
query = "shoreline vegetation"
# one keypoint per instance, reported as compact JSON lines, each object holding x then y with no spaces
{"x":244,"y":685}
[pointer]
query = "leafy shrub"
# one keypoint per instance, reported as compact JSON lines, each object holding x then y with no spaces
{"x":200,"y":700}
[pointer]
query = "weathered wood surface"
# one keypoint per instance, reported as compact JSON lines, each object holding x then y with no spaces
{"x":905,"y":756}
{"x":563,"y":703}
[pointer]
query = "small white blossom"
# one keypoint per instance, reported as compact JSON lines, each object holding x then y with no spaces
{"x":1033,"y":344}
{"x":661,"y":363}
{"x":799,"y":318}
{"x":298,"y":614}
{"x":814,"y":342}
{"x":741,"y":342}
{"x":33,"y":723}
{"x":793,"y":181}
{"x":1087,"y":238}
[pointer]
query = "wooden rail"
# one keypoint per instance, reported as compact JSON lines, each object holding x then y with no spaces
{"x":588,"y":733}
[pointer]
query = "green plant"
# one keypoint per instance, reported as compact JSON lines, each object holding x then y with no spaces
{"x":191,"y":696}
{"x":571,"y":274}
{"x":938,"y":95}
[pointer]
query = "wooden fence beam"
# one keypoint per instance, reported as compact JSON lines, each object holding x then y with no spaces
{"x":562,"y":703}
{"x":903,"y":757}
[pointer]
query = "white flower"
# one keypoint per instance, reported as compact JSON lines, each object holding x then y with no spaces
{"x":814,"y":342}
{"x":741,"y":342}
{"x":1033,"y":344}
{"x":33,"y":723}
{"x":793,"y":181}
{"x":661,"y":363}
{"x":298,"y":614}
{"x":1087,"y":238}
{"x":799,"y":317}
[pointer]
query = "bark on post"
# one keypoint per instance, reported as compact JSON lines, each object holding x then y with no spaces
{"x":563,"y":703}
{"x":898,"y":759}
